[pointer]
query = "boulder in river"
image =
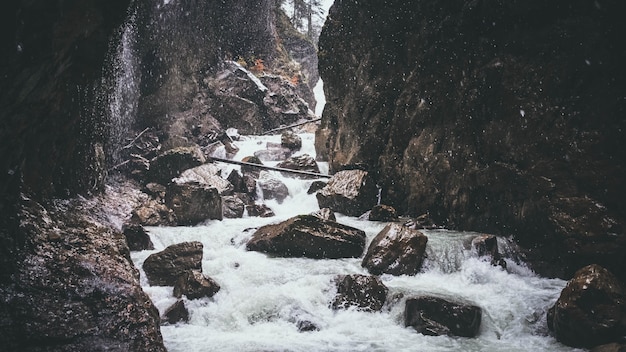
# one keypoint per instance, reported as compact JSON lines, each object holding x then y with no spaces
{"x":361,"y":291}
{"x":171,"y":163}
{"x":396,"y":250}
{"x":208,"y":175}
{"x":487,"y":245}
{"x":302,"y":162}
{"x":350,"y":192}
{"x":136,"y":237}
{"x":437,"y":316}
{"x":272,"y":187}
{"x":383,"y":213}
{"x":165,"y":267}
{"x":251,"y":170}
{"x":233,"y":207}
{"x":176,"y":313}
{"x":316,"y":186}
{"x":260,"y":210}
{"x":308,"y":236}
{"x":591,"y":309}
{"x":290,"y":140}
{"x":273,"y":152}
{"x":194,"y":285}
{"x":194,"y":202}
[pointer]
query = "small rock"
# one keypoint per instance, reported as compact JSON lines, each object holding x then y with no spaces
{"x":176,"y":313}
{"x":364,"y":292}
{"x":350,"y":192}
{"x":232,"y":207}
{"x":153,"y":213}
{"x":194,"y":285}
{"x":437,"y":316}
{"x":383,"y":213}
{"x":487,"y":245}
{"x":396,"y":250}
{"x":137,"y":237}
{"x":165,"y":267}
{"x":272,"y":187}
{"x":325,"y":214}
{"x":316,"y":186}
{"x":290,"y":140}
{"x":260,"y":210}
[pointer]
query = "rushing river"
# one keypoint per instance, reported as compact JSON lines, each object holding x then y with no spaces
{"x":262,"y":297}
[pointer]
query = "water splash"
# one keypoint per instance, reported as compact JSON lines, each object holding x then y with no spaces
{"x":124,"y":98}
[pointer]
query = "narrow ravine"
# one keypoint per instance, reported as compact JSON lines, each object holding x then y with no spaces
{"x":262,"y":298}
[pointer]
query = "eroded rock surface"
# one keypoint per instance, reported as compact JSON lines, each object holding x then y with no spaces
{"x":364,"y":292}
{"x":165,"y":268}
{"x":437,"y":316}
{"x":396,"y":250}
{"x":350,"y":192}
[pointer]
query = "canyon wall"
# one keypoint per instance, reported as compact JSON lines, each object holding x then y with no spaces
{"x":498,"y":116}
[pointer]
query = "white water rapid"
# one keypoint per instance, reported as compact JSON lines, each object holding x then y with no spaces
{"x":262,"y":297}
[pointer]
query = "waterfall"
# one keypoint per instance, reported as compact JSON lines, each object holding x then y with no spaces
{"x":262,"y":298}
{"x":124,"y":97}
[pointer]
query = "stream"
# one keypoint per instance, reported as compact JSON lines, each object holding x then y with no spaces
{"x":263,"y":297}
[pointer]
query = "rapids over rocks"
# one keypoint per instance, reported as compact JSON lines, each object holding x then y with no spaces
{"x":265,"y":301}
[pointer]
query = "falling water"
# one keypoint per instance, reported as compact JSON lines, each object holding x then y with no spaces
{"x":262,"y":298}
{"x":124,"y":98}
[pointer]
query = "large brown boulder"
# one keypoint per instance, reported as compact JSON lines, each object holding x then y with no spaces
{"x":364,"y":292}
{"x":194,"y":284}
{"x":136,"y":237}
{"x":437,"y":316}
{"x":308,"y":236}
{"x":164,"y":268}
{"x":383,"y":213}
{"x":194,"y":202}
{"x":350,"y":192}
{"x":591,"y":309}
{"x":153,"y":213}
{"x":207,"y":175}
{"x":396,"y":250}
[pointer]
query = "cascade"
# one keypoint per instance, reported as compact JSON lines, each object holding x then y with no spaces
{"x":262,"y":298}
{"x":123,"y":99}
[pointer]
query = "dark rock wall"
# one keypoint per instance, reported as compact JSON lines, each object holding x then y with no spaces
{"x":496,"y":116}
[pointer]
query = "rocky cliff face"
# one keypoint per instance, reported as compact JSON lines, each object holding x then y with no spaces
{"x":504,"y":117}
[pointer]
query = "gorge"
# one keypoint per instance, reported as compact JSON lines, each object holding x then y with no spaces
{"x":497,"y":117}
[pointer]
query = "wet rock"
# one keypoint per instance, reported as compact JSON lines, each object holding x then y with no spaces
{"x":173,"y":162}
{"x":252,"y":171}
{"x":591,"y":309}
{"x":232,"y":207}
{"x":308,"y":236}
{"x":176,"y":313}
{"x":137,"y":237}
{"x":396,"y":250}
{"x":316,"y":186}
{"x":364,"y":292}
{"x":165,"y":267}
{"x":272,"y":187}
{"x":153,"y":213}
{"x":350,"y":192}
{"x":302,"y":162}
{"x":290,"y":140}
{"x":194,"y":202}
{"x":305,"y":325}
{"x":487,"y":245}
{"x":260,"y":210}
{"x":437,"y":316}
{"x":207,"y":175}
{"x":283,"y":104}
{"x":383,"y":213}
{"x":236,"y":180}
{"x":194,"y":285}
{"x":325,"y":214}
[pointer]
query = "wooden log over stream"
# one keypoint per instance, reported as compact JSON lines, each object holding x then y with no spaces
{"x":291,"y":126}
{"x":281,"y":169}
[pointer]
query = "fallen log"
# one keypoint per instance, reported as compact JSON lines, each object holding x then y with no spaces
{"x":273,"y":168}
{"x":291,"y":126}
